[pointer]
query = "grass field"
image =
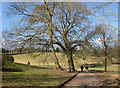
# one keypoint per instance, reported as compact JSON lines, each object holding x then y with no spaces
{"x":16,"y":74}
{"x":47,"y":59}
{"x":39,"y":74}
{"x":112,"y":68}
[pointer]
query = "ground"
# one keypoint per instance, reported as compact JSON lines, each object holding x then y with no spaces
{"x":96,"y":77}
{"x":92,"y":79}
{"x":62,"y":72}
{"x":16,"y":74}
{"x":84,"y":79}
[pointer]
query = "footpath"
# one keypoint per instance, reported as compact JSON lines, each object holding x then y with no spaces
{"x":83,"y":80}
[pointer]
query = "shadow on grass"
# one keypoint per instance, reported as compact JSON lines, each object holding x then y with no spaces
{"x":41,"y":67}
{"x":96,"y":65}
{"x":32,"y":80}
{"x":116,"y":63}
{"x":32,"y":66}
{"x":11,"y":70}
{"x":96,"y":71}
{"x":92,"y":71}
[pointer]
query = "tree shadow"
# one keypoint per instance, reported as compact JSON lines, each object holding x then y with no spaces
{"x":11,"y":70}
{"x":92,"y":71}
{"x":40,"y":67}
{"x":96,"y":65}
{"x":32,"y":66}
{"x":116,"y":63}
{"x":96,"y":71}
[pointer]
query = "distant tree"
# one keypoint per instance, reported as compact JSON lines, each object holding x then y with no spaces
{"x":57,"y":49}
{"x":114,"y":51}
{"x":3,"y":50}
{"x":104,"y":42}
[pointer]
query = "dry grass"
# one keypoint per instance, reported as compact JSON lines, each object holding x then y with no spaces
{"x":39,"y":59}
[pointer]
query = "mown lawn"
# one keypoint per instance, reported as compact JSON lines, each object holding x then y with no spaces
{"x":16,"y":74}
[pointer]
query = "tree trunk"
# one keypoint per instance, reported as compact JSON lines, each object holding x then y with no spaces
{"x":70,"y":62}
{"x":10,"y":51}
{"x":50,"y":27}
{"x":55,"y":58}
{"x":105,"y":64}
{"x":20,"y":51}
{"x":56,"y":61}
{"x":105,"y":51}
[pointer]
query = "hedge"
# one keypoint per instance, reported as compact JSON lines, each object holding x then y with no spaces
{"x":8,"y":58}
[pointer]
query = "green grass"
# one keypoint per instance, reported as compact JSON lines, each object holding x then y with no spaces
{"x":16,"y":74}
{"x":113,"y":68}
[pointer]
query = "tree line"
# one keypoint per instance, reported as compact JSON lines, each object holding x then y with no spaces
{"x":26,"y":50}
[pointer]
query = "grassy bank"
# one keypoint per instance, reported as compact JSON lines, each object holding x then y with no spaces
{"x":16,"y":74}
{"x":46,"y":59}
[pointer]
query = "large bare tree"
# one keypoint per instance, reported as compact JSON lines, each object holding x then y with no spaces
{"x":64,"y":24}
{"x":104,"y":41}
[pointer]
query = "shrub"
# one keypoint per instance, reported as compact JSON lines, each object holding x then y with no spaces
{"x":28,"y":63}
{"x":8,"y":58}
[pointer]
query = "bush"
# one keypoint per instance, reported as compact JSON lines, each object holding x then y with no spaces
{"x":8,"y":58}
{"x":28,"y":63}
